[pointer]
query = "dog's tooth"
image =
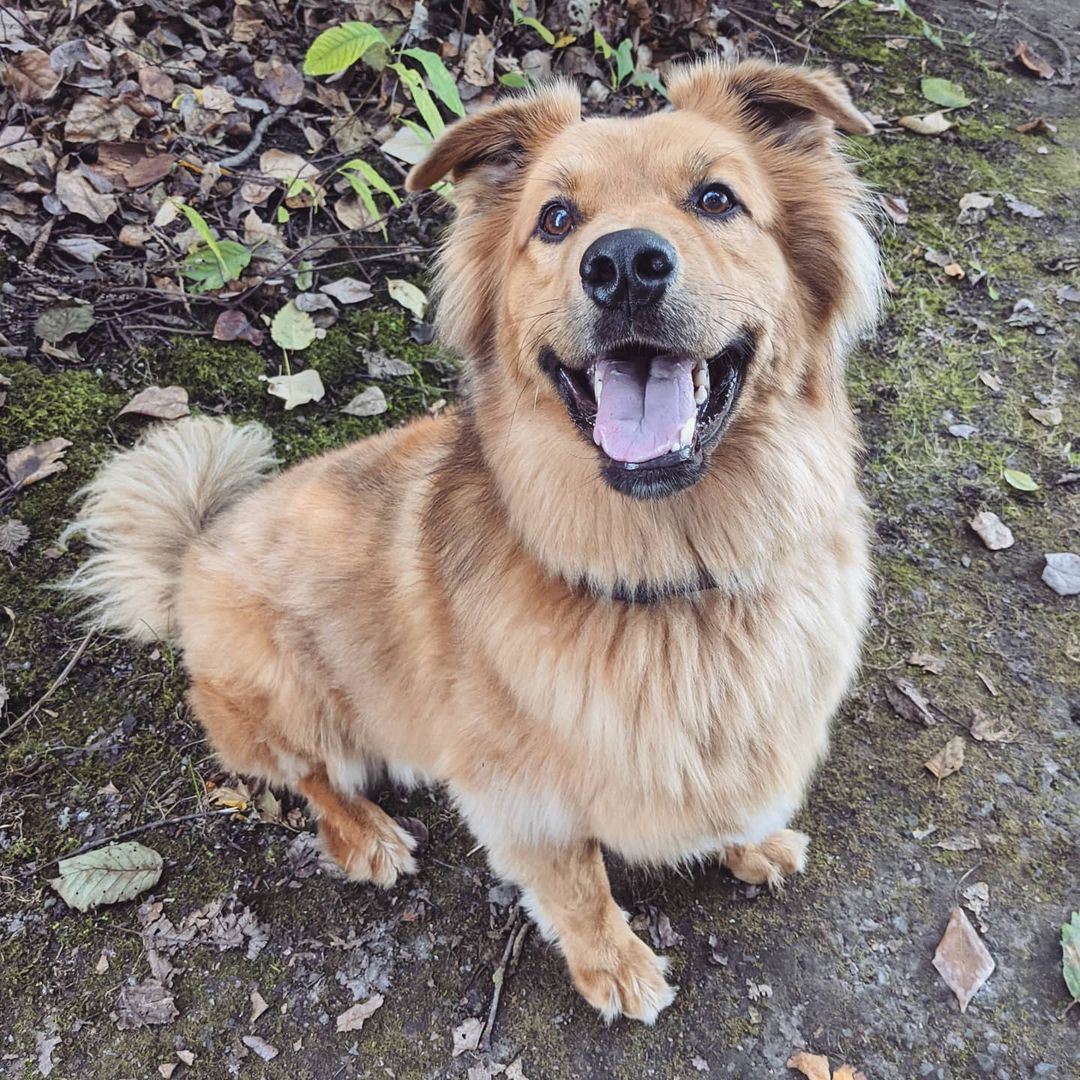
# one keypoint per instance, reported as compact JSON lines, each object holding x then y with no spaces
{"x":598,"y":386}
{"x":701,"y":395}
{"x":701,"y":376}
{"x":686,"y":436}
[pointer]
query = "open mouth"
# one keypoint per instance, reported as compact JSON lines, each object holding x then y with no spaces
{"x":647,"y":408}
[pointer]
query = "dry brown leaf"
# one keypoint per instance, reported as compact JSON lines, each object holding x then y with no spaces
{"x":949,"y":759}
{"x":467,"y":1035}
{"x":31,"y":77}
{"x":354,"y":1019}
{"x":156,"y":83}
{"x":233,"y":325}
{"x":931,"y":124}
{"x":280,"y":81}
{"x":78,"y":195}
{"x":928,"y":662}
{"x":1038,"y":126}
{"x":907,"y":701}
{"x":162,"y":403}
{"x":962,"y":959}
{"x":94,"y":119}
{"x":986,"y":729}
{"x":1031,"y":61}
{"x":480,"y":61}
{"x":812,"y":1066}
{"x":13,"y":534}
{"x":258,"y":1006}
{"x":1048,"y":417}
{"x":896,"y":206}
{"x":32,"y":463}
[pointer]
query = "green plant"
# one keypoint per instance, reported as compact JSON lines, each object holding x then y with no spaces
{"x":546,"y":35}
{"x":620,"y":62}
{"x":218,"y":262}
{"x":365,"y":181}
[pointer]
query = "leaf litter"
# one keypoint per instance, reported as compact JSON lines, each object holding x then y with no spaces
{"x":961,"y":958}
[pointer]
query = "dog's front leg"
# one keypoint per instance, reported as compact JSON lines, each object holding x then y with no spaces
{"x":566,"y":890}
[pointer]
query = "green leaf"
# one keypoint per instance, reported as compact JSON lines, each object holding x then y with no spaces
{"x":421,"y":133}
{"x":601,"y":46}
{"x":442,"y":82}
{"x":358,"y":165}
{"x":292,"y":328}
{"x":408,"y":296}
{"x":944,"y":93}
{"x":515,"y":79}
{"x":624,"y":61}
{"x":1019,"y":480}
{"x":340,"y":47}
{"x":1070,"y":954}
{"x":211,"y":270}
{"x":198,"y":223}
{"x":305,"y":277}
{"x":282,"y":215}
{"x":652,"y":80}
{"x":423,"y":101}
{"x":108,"y":875}
{"x":532,"y":24}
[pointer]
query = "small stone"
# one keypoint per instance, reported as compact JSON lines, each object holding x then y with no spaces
{"x":993,"y":532}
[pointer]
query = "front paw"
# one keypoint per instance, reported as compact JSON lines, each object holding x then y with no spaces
{"x":623,"y":977}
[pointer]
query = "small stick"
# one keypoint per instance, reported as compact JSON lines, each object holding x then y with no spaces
{"x":162,"y":823}
{"x":498,"y":976}
{"x":241,"y":157}
{"x":52,"y":689}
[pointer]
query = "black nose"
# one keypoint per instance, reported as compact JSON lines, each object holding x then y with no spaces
{"x":629,"y":268}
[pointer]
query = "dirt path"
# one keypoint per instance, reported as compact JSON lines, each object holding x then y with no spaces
{"x":840,"y":964}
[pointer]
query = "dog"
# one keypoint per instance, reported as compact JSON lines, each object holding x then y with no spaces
{"x":614,"y":599}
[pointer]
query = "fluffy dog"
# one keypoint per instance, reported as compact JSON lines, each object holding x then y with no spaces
{"x":615,"y":598}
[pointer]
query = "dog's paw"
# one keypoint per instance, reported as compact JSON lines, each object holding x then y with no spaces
{"x":628,"y":982}
{"x":375,"y":851}
{"x":768,"y":863}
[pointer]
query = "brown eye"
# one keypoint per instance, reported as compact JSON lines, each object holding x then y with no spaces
{"x":556,"y":221}
{"x":714,"y":200}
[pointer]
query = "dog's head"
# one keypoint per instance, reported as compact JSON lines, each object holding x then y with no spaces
{"x":652,"y":280}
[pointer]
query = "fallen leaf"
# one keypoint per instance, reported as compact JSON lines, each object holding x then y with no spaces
{"x":812,"y":1066}
{"x":98,"y":119}
{"x":961,"y":959}
{"x":166,"y":1069}
{"x":1068,"y":294}
{"x":186,"y":1056}
{"x":943,"y":92}
{"x":347,"y":290}
{"x":13,"y":535}
{"x":1061,"y":573}
{"x":974,"y":207}
{"x":381,"y":366}
{"x":1025,"y":209}
{"x":991,"y":689}
{"x":354,"y":1019}
{"x":949,"y":759}
{"x":1031,"y":61}
{"x":35,"y":462}
{"x":292,"y":328}
{"x":977,"y":900}
{"x":990,"y":380}
{"x":78,"y":195}
{"x":467,"y":1036}
{"x":84,"y":248}
{"x":408,"y":296}
{"x":31,"y":77}
{"x":1070,"y":955}
{"x":285,"y":165}
{"x":61,"y":320}
{"x":962,"y":431}
{"x":156,"y":83}
{"x":931,"y":124}
{"x":934,"y":664}
{"x":353,"y":214}
{"x":297,"y":389}
{"x":45,"y":1045}
{"x":268,"y":806}
{"x":909,"y":703}
{"x":102,"y":964}
{"x":1019,"y":480}
{"x":1038,"y":126}
{"x":233,"y":325}
{"x":144,"y":1004}
{"x":896,"y":206}
{"x":986,"y":729}
{"x":407,"y":145}
{"x":480,"y":61}
{"x":280,"y":81}
{"x":993,"y":532}
{"x":160,"y":402}
{"x":959,"y":843}
{"x":232,"y":798}
{"x":108,"y":875}
{"x":370,"y":402}
{"x":260,"y":1046}
{"x":1049,"y":417}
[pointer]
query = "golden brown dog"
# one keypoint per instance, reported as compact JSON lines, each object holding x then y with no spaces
{"x":614,"y":599}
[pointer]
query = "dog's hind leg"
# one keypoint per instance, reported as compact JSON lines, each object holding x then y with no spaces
{"x":769,"y":862}
{"x":360,"y":836}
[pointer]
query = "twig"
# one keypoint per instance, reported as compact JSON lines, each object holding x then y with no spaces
{"x":768,"y":29}
{"x":517,"y":931}
{"x":57,"y":682}
{"x":40,"y":242}
{"x":241,"y":157}
{"x":162,"y":823}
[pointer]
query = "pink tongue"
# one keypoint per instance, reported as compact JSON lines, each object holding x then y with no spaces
{"x":643,"y":407}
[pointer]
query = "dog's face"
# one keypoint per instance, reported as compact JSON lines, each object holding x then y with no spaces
{"x":648,"y":273}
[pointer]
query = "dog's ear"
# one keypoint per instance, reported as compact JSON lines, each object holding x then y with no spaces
{"x":494,"y":144}
{"x":794,"y":105}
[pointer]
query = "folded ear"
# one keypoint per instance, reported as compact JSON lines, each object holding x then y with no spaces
{"x":791,"y":103}
{"x":492,"y":145}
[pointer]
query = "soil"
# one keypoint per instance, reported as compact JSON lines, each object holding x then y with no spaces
{"x":839,"y":963}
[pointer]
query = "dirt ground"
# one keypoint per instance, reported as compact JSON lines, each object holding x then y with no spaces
{"x":839,"y":964}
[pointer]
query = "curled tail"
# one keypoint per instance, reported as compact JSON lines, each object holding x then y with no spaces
{"x":146,"y":506}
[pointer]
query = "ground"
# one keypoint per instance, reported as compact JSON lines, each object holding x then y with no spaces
{"x":839,"y":963}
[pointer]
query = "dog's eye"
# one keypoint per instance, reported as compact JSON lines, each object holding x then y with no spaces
{"x":556,"y":221}
{"x":715,"y":199}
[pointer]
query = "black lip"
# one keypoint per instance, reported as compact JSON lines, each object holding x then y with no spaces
{"x":673,"y":472}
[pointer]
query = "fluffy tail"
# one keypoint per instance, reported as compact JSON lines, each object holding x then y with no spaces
{"x":144,"y":508}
